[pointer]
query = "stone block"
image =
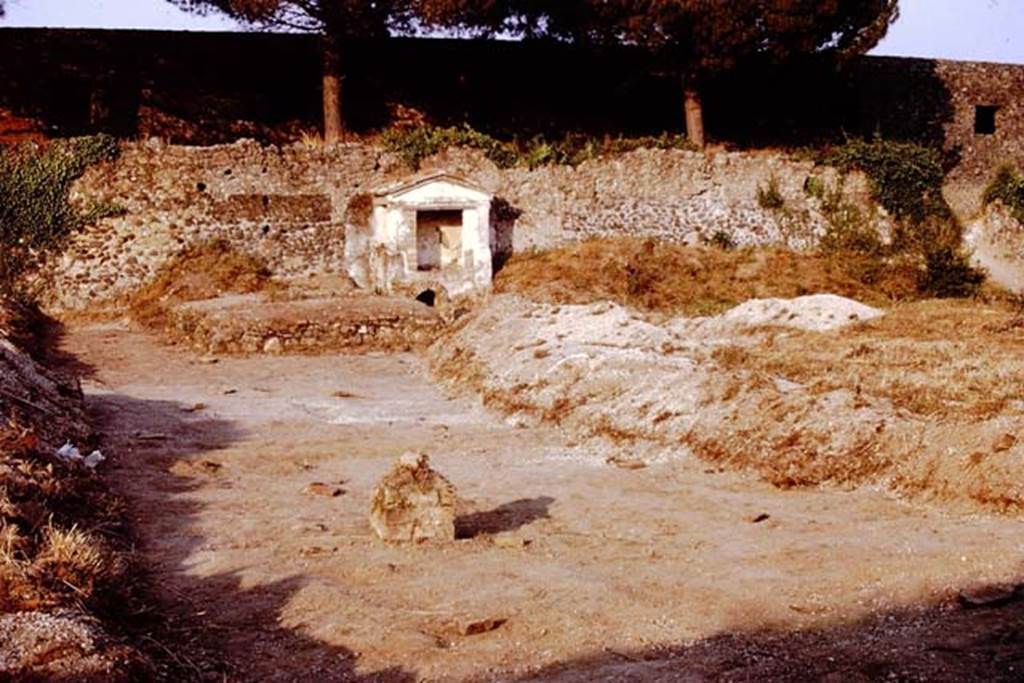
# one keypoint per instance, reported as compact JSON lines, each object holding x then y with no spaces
{"x":413,"y":503}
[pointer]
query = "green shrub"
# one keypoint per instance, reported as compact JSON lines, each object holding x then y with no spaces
{"x":814,"y":187}
{"x":949,"y":273}
{"x":35,"y":214}
{"x":1007,"y":187}
{"x":414,"y":145}
{"x":906,"y":179}
{"x":769,"y":196}
{"x":722,"y":240}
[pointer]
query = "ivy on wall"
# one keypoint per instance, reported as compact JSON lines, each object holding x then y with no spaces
{"x":906,"y":179}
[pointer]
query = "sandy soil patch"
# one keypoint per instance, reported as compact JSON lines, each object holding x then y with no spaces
{"x":576,"y":569}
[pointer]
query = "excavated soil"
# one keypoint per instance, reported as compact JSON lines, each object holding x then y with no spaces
{"x":812,"y":391}
{"x":248,"y":483}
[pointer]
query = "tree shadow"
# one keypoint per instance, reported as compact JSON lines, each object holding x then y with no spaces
{"x":943,"y":641}
{"x":507,"y":517}
{"x":816,"y":101}
{"x":160,"y":452}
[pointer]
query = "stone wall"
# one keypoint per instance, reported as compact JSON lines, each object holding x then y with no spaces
{"x":288,"y":205}
{"x":977,"y":156}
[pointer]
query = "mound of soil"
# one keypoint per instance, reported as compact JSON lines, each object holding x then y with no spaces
{"x":674,"y":279}
{"x":198,"y":272}
{"x":801,"y":407}
{"x":53,"y":564}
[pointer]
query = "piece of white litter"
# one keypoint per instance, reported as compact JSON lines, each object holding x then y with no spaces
{"x":70,"y":453}
{"x":94,"y":459}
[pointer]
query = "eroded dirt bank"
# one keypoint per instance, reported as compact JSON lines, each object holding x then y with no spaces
{"x":674,"y":571}
{"x":810,"y":391}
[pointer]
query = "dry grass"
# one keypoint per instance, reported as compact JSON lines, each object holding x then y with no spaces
{"x":927,"y":399}
{"x":952,"y":359}
{"x":674,"y":279}
{"x":202,"y":271}
{"x":47,"y":558}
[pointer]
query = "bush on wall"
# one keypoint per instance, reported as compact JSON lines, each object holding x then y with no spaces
{"x":35,"y":214}
{"x":1007,"y":187}
{"x":414,"y":144}
{"x":906,"y":180}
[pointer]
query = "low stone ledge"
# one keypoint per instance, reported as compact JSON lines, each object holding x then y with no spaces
{"x":249,"y":324}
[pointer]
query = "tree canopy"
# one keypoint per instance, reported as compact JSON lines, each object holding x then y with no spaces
{"x":696,"y":38}
{"x":337,"y":17}
{"x":699,"y":36}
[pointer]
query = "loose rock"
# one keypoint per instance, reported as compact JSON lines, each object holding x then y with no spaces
{"x":478,"y":626}
{"x":318,"y":488}
{"x":413,"y":503}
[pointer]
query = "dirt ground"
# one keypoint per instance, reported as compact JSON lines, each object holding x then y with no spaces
{"x":590,"y":571}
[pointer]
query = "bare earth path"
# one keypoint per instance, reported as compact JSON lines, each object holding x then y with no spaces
{"x":600,"y":573}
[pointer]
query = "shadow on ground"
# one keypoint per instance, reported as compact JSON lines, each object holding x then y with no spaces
{"x":507,"y":517}
{"x":152,"y":441}
{"x":173,"y":624}
{"x":928,"y":643}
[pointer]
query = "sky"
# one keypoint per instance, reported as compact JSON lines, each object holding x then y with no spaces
{"x":983,"y":30}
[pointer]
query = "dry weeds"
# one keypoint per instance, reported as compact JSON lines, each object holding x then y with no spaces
{"x":926,"y":400}
{"x":948,"y":359}
{"x":201,"y":271}
{"x":674,"y":279}
{"x":52,"y":517}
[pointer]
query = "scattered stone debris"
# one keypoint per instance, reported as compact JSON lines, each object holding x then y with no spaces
{"x":343,"y":394}
{"x":273,"y":346}
{"x":1004,"y":443}
{"x":318,"y":488}
{"x":763,"y":517}
{"x":154,"y":436}
{"x":187,"y":468}
{"x":194,"y":408}
{"x":625,"y":463}
{"x":414,"y":503}
{"x":511,"y":542}
{"x":478,"y":626}
{"x":63,"y":645}
{"x":988,"y":596}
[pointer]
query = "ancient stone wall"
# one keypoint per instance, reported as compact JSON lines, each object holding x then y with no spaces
{"x":288,"y":204}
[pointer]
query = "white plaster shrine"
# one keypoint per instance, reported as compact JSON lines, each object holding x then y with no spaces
{"x":433,"y":230}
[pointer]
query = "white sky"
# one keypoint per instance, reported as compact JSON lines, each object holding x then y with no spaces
{"x":986,"y":30}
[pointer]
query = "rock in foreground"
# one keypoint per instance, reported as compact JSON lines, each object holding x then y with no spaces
{"x":413,"y":503}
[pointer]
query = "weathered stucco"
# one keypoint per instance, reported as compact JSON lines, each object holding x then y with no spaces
{"x":434,"y":230}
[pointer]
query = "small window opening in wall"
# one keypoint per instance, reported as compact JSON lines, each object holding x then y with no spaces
{"x":985,"y":119}
{"x":427,"y":296}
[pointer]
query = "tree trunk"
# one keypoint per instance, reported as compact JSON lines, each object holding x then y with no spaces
{"x":334,"y":126}
{"x":694,"y":109}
